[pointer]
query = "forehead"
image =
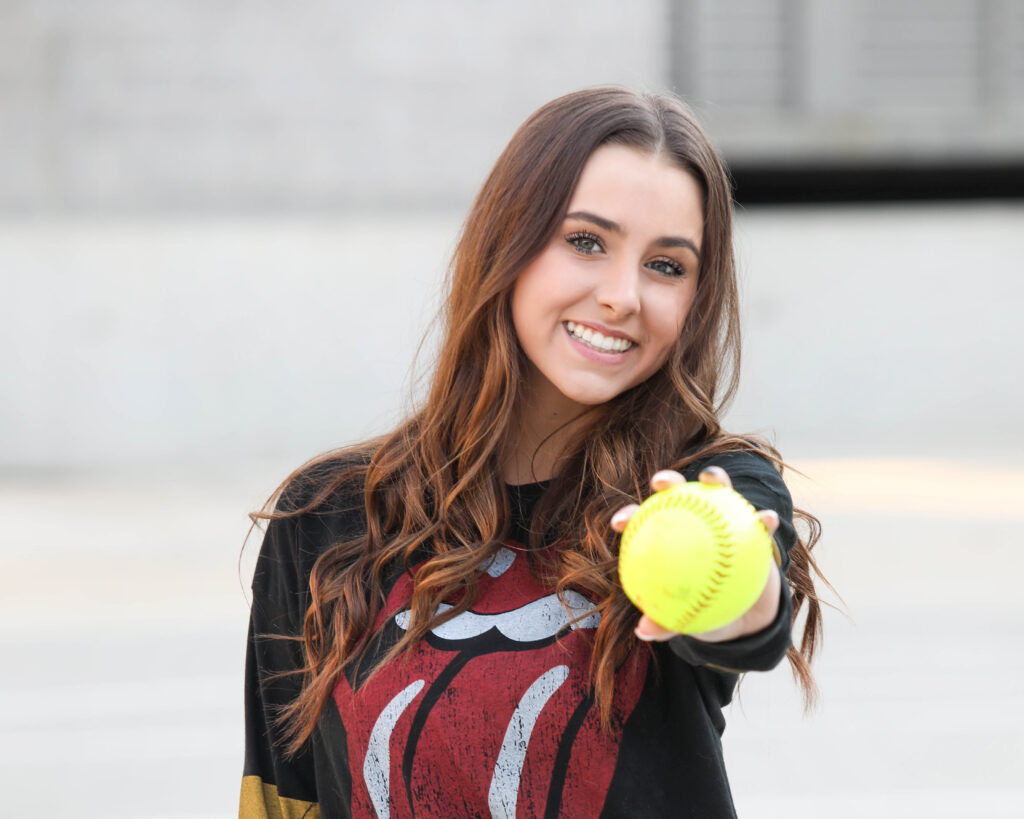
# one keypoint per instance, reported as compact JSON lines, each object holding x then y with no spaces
{"x":631,"y":186}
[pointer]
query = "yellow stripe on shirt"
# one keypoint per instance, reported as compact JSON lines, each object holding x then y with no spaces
{"x":261,"y":801}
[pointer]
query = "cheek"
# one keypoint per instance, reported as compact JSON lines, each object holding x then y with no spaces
{"x":670,"y":323}
{"x":526,"y":304}
{"x":541,"y":291}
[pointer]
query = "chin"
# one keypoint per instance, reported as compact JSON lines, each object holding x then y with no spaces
{"x":587,"y":398}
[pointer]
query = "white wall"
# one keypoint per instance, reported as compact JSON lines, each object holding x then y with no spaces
{"x":138,"y":341}
{"x":884,"y":330}
{"x":868,"y":330}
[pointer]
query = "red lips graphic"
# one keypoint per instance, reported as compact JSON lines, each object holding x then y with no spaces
{"x":490,"y":715}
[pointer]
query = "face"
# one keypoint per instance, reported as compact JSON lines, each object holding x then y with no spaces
{"x":600,"y":309}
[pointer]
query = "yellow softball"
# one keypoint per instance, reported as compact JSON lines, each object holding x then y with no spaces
{"x":694,"y":557}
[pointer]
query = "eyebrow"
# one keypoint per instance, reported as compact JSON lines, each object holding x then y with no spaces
{"x":615,"y":227}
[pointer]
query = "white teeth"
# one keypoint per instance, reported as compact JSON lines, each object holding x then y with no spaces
{"x":599,"y":341}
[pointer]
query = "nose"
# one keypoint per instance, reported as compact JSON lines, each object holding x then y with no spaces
{"x":618,"y":290}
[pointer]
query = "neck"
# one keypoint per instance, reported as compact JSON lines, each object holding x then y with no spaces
{"x":548,"y":422}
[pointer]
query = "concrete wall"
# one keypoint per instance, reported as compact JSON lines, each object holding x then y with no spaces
{"x":139,"y":327}
{"x":221,"y":341}
{"x":140,"y":341}
{"x":124,"y":106}
{"x":128,"y":106}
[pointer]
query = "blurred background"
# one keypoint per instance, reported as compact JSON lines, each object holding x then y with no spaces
{"x":223,"y":228}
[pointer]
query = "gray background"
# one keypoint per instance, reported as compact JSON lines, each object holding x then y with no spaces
{"x":222,"y":232}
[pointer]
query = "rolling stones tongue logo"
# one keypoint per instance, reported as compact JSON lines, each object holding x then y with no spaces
{"x":491,"y":714}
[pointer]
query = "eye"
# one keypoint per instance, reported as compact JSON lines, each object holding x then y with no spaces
{"x":667,"y":267}
{"x":586,"y":243}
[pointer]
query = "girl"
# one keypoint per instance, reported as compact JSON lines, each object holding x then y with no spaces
{"x":437,"y":626}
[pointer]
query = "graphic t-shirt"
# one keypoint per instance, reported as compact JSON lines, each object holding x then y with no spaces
{"x":491,"y":714}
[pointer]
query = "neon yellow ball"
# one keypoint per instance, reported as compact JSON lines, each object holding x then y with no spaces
{"x":695,"y":557}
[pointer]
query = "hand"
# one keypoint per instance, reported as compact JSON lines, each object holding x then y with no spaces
{"x":759,"y":616}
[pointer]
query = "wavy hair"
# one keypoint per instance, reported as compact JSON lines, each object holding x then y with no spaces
{"x":433,"y":486}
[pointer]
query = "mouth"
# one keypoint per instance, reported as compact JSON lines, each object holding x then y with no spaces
{"x":596,"y":340}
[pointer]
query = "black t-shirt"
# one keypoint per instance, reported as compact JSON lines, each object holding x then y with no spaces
{"x":492,"y":714}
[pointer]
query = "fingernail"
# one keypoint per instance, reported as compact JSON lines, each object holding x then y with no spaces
{"x":645,"y":637}
{"x":770,"y":513}
{"x":618,"y":518}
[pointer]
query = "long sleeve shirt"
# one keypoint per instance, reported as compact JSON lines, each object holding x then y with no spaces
{"x":492,"y":713}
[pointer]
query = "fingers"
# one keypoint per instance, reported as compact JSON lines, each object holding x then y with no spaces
{"x":665,"y":478}
{"x":621,"y":518}
{"x":770,"y":519}
{"x":660,"y":480}
{"x":715,"y":475}
{"x":649,"y":631}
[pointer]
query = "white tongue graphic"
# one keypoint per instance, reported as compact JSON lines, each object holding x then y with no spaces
{"x":538,"y":620}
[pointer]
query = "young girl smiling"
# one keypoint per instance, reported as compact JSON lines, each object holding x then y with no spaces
{"x":437,"y":625}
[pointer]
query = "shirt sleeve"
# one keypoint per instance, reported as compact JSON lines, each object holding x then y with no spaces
{"x":756,"y":479}
{"x":273,"y":783}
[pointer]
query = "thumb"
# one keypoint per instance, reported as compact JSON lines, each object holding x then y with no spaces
{"x":649,"y":631}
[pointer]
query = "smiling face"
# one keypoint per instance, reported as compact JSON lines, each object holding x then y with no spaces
{"x":602,"y":306}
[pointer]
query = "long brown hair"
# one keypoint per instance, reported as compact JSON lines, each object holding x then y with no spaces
{"x":433,"y":486}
